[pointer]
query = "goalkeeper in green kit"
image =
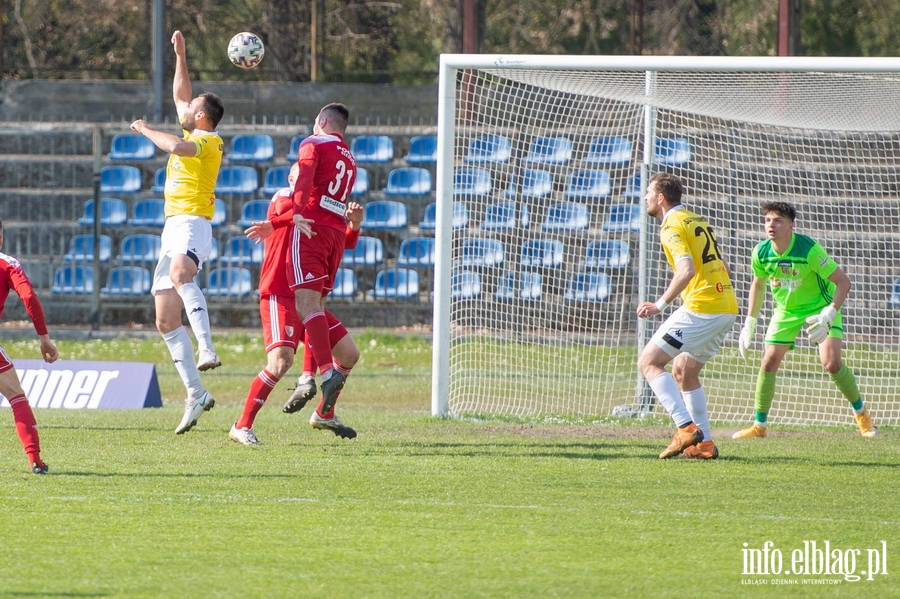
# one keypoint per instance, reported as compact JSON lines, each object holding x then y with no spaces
{"x":808,"y":288}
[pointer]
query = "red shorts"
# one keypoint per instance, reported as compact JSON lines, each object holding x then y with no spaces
{"x":5,"y":362}
{"x":313,"y":263}
{"x":280,"y":322}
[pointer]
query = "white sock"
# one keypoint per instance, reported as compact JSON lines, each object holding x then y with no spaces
{"x":695,"y":402}
{"x":182,"y":351}
{"x":666,"y":389}
{"x":197,"y":313}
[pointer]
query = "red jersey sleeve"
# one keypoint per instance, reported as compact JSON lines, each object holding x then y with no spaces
{"x":308,"y":158}
{"x":16,"y":279}
{"x":352,"y":237}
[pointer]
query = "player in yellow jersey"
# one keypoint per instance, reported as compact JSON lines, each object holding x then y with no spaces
{"x":187,"y":236}
{"x":693,"y":334}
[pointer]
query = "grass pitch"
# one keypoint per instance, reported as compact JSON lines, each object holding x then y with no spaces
{"x":421,"y":507}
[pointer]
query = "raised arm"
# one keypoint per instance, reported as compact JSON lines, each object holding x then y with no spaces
{"x":181,"y":84}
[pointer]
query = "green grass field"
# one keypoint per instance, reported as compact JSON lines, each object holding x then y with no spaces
{"x":417,"y":506}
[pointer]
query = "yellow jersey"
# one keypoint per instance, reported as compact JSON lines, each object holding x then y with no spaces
{"x":710,"y":290}
{"x":191,"y":180}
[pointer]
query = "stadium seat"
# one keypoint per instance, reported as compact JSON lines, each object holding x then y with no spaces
{"x":361,"y":184}
{"x":159,"y":181}
{"x":372,"y":148}
{"x":566,"y":216}
{"x":148,"y":213}
{"x":623,"y":217}
{"x":120,"y":179}
{"x":220,"y":214}
{"x":384,"y":215}
{"x":529,"y":286}
{"x":229,"y":281}
{"x":671,"y":151}
{"x":633,"y":187}
{"x":251,"y":148}
{"x":472,"y":183}
{"x":81,"y":249}
{"x":481,"y":253}
{"x":608,"y":151}
{"x":460,"y":217}
{"x":369,"y":251}
{"x":533,"y":184}
{"x":131,"y":147}
{"x":548,"y":150}
{"x":276,"y":178}
{"x":76,"y":279}
{"x":416,"y":251}
{"x":541,"y":253}
{"x":128,"y":280}
{"x":422,"y":150}
{"x":242,"y":251}
{"x":294,"y":149}
{"x":501,"y":216}
{"x":489,"y":149}
{"x":345,"y":284}
{"x":238,"y":180}
{"x":140,"y":249}
{"x":113,"y":213}
{"x":465,"y":285}
{"x":254,"y":210}
{"x":588,"y":287}
{"x":408,"y":181}
{"x":395,"y":283}
{"x":214,"y":252}
{"x":588,"y":185}
{"x":606,"y":254}
{"x":894,"y":299}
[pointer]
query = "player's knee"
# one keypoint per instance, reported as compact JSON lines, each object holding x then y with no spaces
{"x":831,"y":365}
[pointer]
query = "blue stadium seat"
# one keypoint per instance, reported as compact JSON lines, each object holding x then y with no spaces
{"x":372,"y":148}
{"x":416,"y":251}
{"x":214,"y":252}
{"x":242,"y":251}
{"x":549,"y":150}
{"x":588,"y":185}
{"x":220,"y":214}
{"x":460,"y":217}
{"x":395,"y":283}
{"x":369,"y":251}
{"x":465,"y":285}
{"x":894,"y":299}
{"x":480,"y":253}
{"x":501,"y":216}
{"x":422,"y":150}
{"x":633,"y":187}
{"x":140,"y":249}
{"x":251,"y":148}
{"x":345,"y":284}
{"x":361,"y":184}
{"x":385,"y":215}
{"x":81,"y":249}
{"x":238,"y":180}
{"x":128,"y":280}
{"x":606,"y":254}
{"x":489,"y":149}
{"x":532,"y":184}
{"x":254,"y":210}
{"x":120,"y":179}
{"x":293,"y":151}
{"x":566,"y":216}
{"x":229,"y":281}
{"x":276,"y":178}
{"x":408,"y":181}
{"x":671,"y":151}
{"x":623,"y":217}
{"x":148,"y":213}
{"x":608,"y":151}
{"x":588,"y":287}
{"x":159,"y":181}
{"x":472,"y":183}
{"x":541,"y":253}
{"x":131,"y":147}
{"x":75,"y":279}
{"x":529,"y":286}
{"x":113,"y":213}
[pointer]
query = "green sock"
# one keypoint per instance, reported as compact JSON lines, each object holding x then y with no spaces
{"x":846,"y":382}
{"x":765,"y":391}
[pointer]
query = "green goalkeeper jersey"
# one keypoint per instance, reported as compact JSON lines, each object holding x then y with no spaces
{"x":798,"y":277}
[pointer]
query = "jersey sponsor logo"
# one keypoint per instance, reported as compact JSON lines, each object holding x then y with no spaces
{"x":332,"y":205}
{"x":67,"y":389}
{"x":719,"y":287}
{"x":789,"y":284}
{"x":823,"y":261}
{"x":308,"y":276}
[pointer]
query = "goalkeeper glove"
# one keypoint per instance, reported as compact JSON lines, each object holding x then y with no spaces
{"x":746,"y":338}
{"x":820,"y":324}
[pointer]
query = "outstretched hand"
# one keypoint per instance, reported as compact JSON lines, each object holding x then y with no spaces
{"x":178,"y":43}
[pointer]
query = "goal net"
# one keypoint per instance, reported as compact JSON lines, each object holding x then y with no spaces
{"x":548,"y":158}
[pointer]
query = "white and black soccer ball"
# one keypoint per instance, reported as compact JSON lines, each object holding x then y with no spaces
{"x":246,"y":50}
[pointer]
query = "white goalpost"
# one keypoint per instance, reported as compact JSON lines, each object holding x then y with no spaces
{"x":548,"y":156}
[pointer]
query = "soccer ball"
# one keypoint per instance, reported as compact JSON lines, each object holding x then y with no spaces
{"x":246,"y":50}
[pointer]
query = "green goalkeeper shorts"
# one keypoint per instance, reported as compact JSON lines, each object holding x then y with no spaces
{"x":785,"y":326}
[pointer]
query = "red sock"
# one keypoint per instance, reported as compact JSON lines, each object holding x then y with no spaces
{"x":318,"y":340}
{"x":260,"y":388}
{"x":26,"y":427}
{"x":309,"y":360}
{"x":346,"y":372}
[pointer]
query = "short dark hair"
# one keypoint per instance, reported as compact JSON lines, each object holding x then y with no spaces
{"x":213,"y":107}
{"x":781,"y":209}
{"x":340,"y":110}
{"x":669,"y":185}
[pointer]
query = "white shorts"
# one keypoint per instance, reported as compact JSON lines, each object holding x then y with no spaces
{"x":700,"y":336}
{"x":184,"y":234}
